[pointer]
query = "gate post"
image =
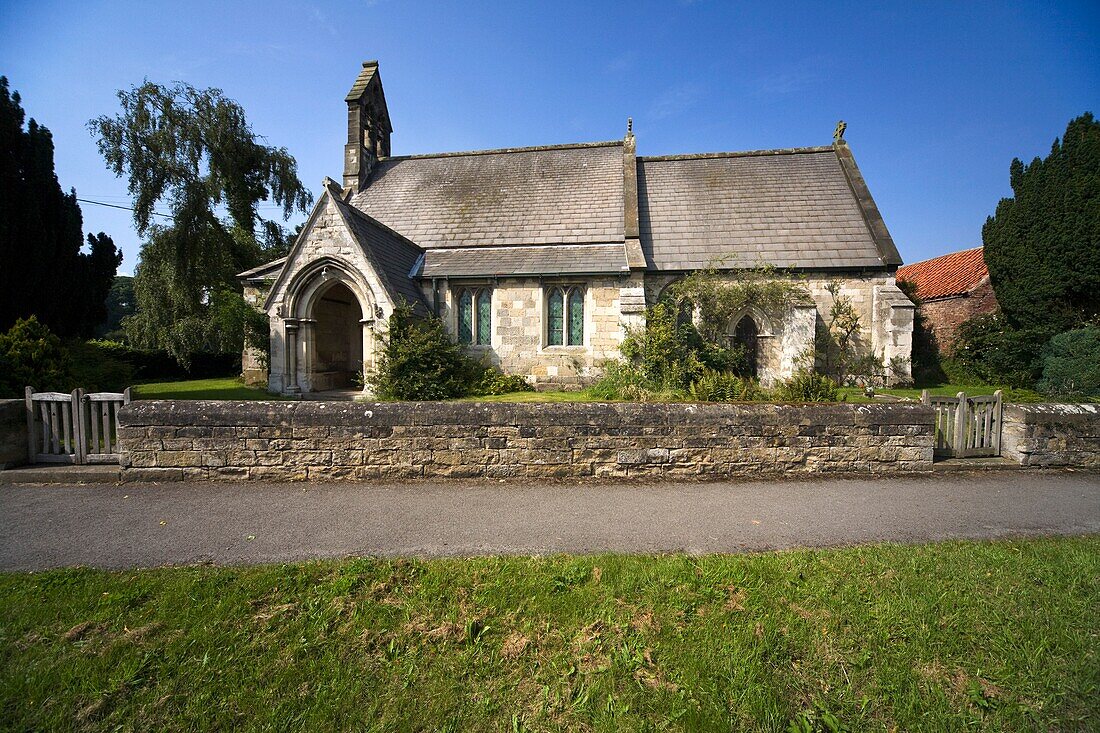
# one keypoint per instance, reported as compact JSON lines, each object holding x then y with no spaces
{"x":31,"y":448}
{"x":79,"y":407}
{"x":958,"y":440}
{"x":997,"y":426}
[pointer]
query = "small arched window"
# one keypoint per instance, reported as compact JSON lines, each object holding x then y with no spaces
{"x":685,"y":312}
{"x":565,"y":316}
{"x":745,"y":335}
{"x":475,"y":316}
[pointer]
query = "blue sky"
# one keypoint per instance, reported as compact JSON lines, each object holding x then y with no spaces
{"x":939,"y":97}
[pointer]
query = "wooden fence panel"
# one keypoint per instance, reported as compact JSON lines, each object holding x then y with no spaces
{"x":73,"y":428}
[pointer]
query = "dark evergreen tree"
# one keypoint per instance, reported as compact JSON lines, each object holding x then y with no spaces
{"x":1042,"y":247}
{"x":42,"y":269}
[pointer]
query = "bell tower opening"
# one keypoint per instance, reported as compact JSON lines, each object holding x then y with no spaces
{"x":369,"y":127}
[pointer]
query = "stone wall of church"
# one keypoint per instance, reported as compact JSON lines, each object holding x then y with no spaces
{"x":254,"y":361}
{"x":518,"y":343}
{"x":785,"y":341}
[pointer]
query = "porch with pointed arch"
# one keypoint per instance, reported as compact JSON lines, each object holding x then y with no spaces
{"x":329,"y":331}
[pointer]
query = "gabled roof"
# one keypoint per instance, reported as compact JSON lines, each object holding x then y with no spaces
{"x":564,"y":194}
{"x":266,"y":271}
{"x":392,"y":256}
{"x":948,"y":275}
{"x":798,"y":208}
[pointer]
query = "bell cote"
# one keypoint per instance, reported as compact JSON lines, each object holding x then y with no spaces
{"x":368,"y":127}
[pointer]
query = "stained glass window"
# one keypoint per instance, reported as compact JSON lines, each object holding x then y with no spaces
{"x":484,"y":317}
{"x":466,"y":318}
{"x":555,"y":317}
{"x":576,"y":317}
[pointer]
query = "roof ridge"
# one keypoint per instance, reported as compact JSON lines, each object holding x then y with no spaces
{"x":946,"y":254}
{"x":499,"y":151}
{"x":739,"y":154}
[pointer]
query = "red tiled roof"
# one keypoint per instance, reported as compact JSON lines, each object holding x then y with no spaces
{"x":951,"y":274}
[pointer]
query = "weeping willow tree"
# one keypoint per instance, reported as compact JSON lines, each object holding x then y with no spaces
{"x":193,"y":152}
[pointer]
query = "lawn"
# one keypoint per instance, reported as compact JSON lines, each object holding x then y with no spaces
{"x":234,"y":389}
{"x":201,"y":389}
{"x":855,"y":394}
{"x":991,"y":636}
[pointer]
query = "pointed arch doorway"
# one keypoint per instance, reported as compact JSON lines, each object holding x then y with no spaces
{"x":337,"y":339}
{"x":746,"y":334}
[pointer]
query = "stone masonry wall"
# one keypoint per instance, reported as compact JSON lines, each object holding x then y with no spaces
{"x":169,"y":440}
{"x":1052,"y":435}
{"x":518,"y":328}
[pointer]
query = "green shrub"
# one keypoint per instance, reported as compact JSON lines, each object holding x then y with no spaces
{"x":419,"y":361}
{"x":989,"y":350}
{"x":1071,"y":367}
{"x":98,"y":366}
{"x":808,"y":386}
{"x":714,"y":386}
{"x":160,"y":365}
{"x":624,"y":380}
{"x":31,"y":355}
{"x":495,"y":382}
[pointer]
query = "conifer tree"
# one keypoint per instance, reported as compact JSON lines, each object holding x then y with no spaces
{"x":43,"y":270}
{"x":1042,"y":247}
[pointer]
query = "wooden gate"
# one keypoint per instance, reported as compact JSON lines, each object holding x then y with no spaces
{"x":76,"y":428}
{"x":966,"y":426}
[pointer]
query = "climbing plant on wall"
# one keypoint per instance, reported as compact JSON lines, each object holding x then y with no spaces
{"x":719,"y":296}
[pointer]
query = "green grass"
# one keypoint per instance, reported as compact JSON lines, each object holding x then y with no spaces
{"x":990,"y":636}
{"x":849,"y":394}
{"x":201,"y":389}
{"x":855,"y":394}
{"x":235,"y":389}
{"x":550,"y":396}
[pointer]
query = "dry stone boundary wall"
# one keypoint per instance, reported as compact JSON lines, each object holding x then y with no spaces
{"x":175,"y":440}
{"x":1049,"y":435}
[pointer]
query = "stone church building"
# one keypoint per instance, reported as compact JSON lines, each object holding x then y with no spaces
{"x":538,"y":258}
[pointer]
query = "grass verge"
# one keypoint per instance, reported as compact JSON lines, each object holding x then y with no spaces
{"x":996,"y":636}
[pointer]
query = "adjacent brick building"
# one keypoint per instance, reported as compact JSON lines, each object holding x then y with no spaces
{"x":951,"y":289}
{"x":539,"y":258}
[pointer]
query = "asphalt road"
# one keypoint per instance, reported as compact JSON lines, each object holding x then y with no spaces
{"x":171,"y":524}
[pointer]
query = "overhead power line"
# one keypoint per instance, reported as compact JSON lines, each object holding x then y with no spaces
{"x":116,"y":206}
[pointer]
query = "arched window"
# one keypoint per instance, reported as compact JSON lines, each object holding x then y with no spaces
{"x":685,"y":312}
{"x":475,"y":316}
{"x":745,"y":335}
{"x":565,"y":316}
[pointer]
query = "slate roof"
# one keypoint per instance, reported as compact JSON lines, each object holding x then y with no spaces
{"x":392,"y":255}
{"x":948,"y":275}
{"x":786,"y":208}
{"x":564,"y":259}
{"x":266,"y":271}
{"x":566,"y":194}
